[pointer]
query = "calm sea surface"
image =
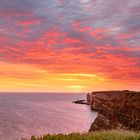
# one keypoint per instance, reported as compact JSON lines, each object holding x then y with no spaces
{"x":23,"y":115}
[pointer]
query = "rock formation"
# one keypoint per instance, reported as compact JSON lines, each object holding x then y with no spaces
{"x":116,"y":110}
{"x":88,"y":98}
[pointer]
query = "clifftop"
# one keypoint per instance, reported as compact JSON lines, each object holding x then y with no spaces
{"x":116,"y":110}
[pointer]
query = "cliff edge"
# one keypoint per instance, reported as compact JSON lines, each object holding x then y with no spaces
{"x":116,"y":110}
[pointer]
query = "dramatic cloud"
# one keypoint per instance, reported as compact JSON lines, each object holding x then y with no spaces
{"x":94,"y":37}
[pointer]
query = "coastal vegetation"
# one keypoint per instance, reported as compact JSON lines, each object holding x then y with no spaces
{"x":102,"y":135}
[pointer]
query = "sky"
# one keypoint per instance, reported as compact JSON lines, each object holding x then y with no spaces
{"x":69,"y":45}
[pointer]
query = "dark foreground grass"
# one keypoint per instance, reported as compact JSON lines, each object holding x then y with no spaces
{"x":105,"y":135}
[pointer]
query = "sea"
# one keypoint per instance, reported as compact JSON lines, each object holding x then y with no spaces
{"x":25,"y":114}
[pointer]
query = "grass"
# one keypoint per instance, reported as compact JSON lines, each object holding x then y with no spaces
{"x":104,"y":135}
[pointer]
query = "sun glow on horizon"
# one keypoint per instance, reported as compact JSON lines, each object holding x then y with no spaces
{"x":30,"y":78}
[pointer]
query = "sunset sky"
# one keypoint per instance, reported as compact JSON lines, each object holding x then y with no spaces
{"x":69,"y":45}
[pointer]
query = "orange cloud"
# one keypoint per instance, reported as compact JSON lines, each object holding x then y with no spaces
{"x":21,"y":71}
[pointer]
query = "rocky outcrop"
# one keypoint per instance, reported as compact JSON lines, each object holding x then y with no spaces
{"x":88,"y":98}
{"x":116,"y":110}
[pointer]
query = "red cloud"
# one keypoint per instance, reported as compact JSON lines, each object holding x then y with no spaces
{"x":97,"y":33}
{"x":29,"y":22}
{"x":125,"y":36}
{"x":66,"y":60}
{"x":71,"y":40}
{"x":43,"y":53}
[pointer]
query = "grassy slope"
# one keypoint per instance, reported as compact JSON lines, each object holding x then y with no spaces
{"x":105,"y":135}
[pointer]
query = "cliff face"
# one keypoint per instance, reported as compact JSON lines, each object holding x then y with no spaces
{"x":116,"y":110}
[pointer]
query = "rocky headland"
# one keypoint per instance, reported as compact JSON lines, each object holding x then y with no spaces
{"x":116,"y":110}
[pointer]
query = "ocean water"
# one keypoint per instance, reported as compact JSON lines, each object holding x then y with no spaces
{"x":23,"y":115}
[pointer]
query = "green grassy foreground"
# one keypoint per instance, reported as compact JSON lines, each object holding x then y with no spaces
{"x":105,"y":135}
